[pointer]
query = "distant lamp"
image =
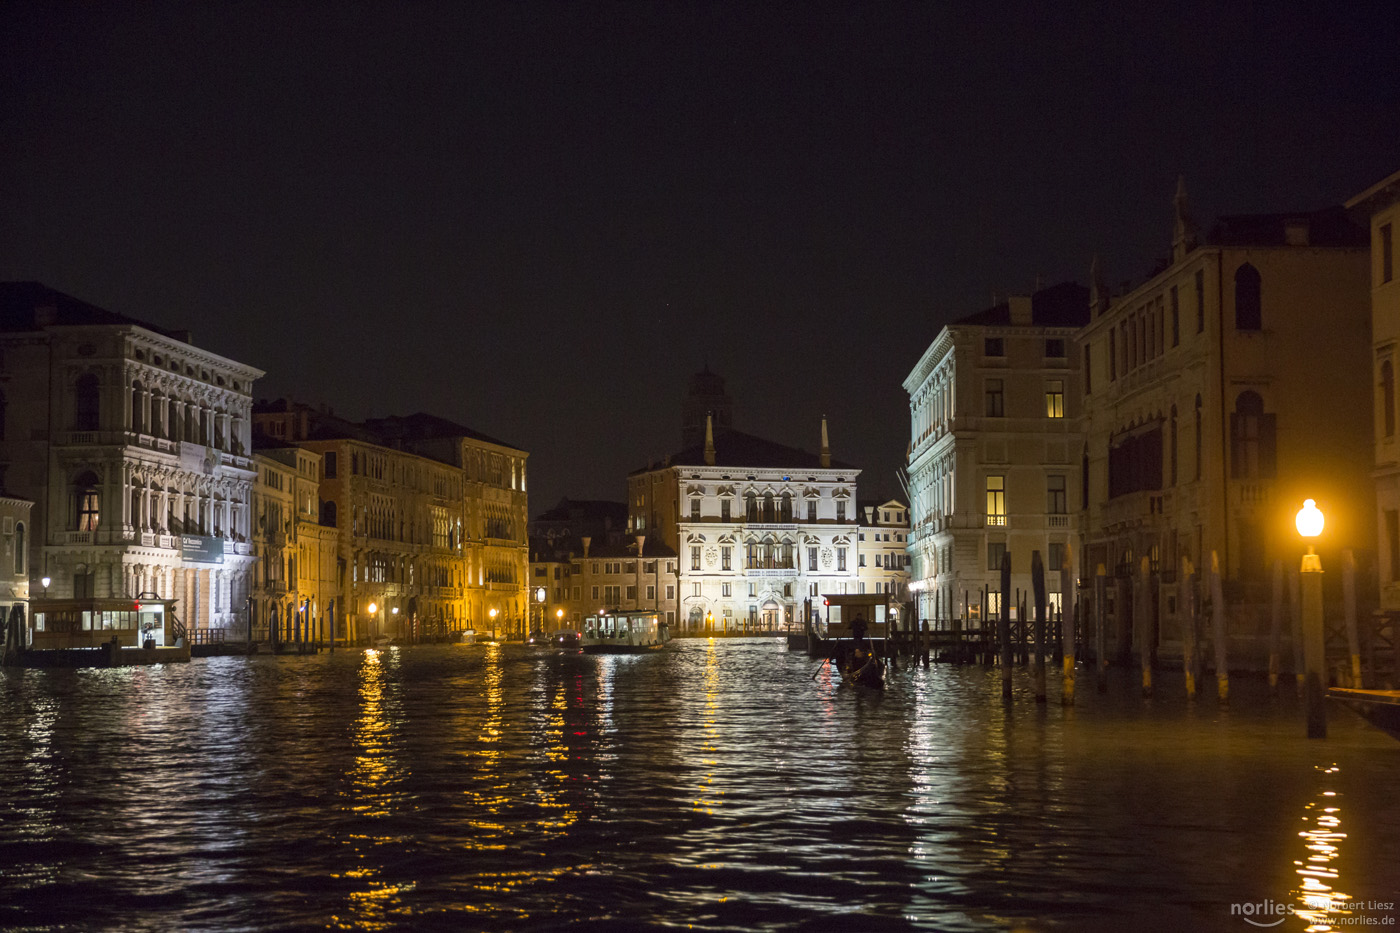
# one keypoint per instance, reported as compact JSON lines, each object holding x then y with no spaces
{"x":1309,"y":519}
{"x":45,"y":581}
{"x":559,"y":614}
{"x":540,"y":594}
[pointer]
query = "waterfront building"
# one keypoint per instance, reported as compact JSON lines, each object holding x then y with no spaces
{"x":882,"y":559}
{"x":14,"y":566}
{"x":135,"y":446}
{"x":1379,"y":207}
{"x":558,"y":539}
{"x":609,"y":576}
{"x":431,"y":520}
{"x":295,"y":580}
{"x":994,"y":452}
{"x":761,"y":530}
{"x":1220,"y":393}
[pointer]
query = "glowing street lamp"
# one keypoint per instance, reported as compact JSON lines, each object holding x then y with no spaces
{"x":45,"y":581}
{"x":492,"y":614}
{"x":372,"y":608}
{"x":1309,"y":522}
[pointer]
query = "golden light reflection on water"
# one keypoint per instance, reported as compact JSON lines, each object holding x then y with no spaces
{"x":705,"y":799}
{"x":1321,"y":902}
{"x":373,"y":776}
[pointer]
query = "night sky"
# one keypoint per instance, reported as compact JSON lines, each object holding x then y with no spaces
{"x":538,"y":220}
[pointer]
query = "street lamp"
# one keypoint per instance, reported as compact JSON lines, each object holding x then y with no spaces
{"x":45,"y":581}
{"x":540,"y":594}
{"x":1309,"y":522}
{"x":372,"y":607}
{"x":492,"y":614}
{"x":559,"y":617}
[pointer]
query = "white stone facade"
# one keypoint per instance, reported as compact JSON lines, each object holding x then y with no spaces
{"x":136,"y":445}
{"x":995,"y":451}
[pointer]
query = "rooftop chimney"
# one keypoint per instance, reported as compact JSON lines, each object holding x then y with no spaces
{"x":1020,"y":310}
{"x":586,"y":542}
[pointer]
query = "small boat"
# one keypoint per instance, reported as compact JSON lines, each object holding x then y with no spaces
{"x":624,"y":633}
{"x":562,"y":640}
{"x":860,"y":666}
{"x":1381,"y":708}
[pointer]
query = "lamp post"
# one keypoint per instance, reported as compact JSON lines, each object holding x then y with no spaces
{"x":372,"y":607}
{"x":559,"y":618}
{"x":45,"y":581}
{"x":540,"y":594}
{"x":492,"y":614}
{"x":1309,"y":522}
{"x":396,"y":621}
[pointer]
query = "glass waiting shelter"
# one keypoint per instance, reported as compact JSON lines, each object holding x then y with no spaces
{"x":87,"y":623}
{"x":842,"y":608}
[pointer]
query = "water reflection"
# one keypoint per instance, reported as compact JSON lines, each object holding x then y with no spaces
{"x":372,"y":796}
{"x":1320,"y":902}
{"x":713,"y":786}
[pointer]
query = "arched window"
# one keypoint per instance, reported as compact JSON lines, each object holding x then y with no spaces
{"x":1252,"y":438}
{"x":86,"y":403}
{"x":87,"y":502}
{"x":1197,"y":447}
{"x":768,"y":513}
{"x":786,"y":515}
{"x":21,"y":549}
{"x":751,"y":507}
{"x":1388,"y":398}
{"x":1248,"y":315}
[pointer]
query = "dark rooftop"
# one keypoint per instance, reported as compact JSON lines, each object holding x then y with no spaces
{"x":1062,"y":305}
{"x":20,"y":303}
{"x":737,"y":449}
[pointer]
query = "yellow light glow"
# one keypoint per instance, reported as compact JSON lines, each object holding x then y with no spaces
{"x":1309,"y":520}
{"x":372,"y":608}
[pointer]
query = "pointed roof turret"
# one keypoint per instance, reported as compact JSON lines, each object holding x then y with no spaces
{"x":1184,"y":235}
{"x":1098,"y":294}
{"x":709,"y":440}
{"x":826,"y":446}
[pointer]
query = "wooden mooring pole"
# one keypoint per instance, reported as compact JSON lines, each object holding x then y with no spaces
{"x":1004,"y":626}
{"x":1100,"y":621}
{"x":1067,"y":628}
{"x":1038,"y":588}
{"x":1295,"y":618}
{"x":1349,"y":605}
{"x":1275,"y":624}
{"x":1142,"y":624}
{"x":1188,"y":625}
{"x":1217,"y":611}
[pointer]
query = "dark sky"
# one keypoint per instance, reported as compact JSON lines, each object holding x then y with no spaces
{"x":539,"y":219}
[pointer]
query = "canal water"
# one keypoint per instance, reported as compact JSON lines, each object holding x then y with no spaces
{"x":714,"y":786}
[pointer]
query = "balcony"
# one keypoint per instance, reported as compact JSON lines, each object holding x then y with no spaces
{"x":996,"y":521}
{"x":1057,"y":521}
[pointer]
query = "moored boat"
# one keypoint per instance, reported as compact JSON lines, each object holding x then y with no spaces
{"x":624,"y":633}
{"x":1381,"y":708}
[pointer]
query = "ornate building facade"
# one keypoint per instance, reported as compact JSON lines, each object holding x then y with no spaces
{"x":995,"y":449}
{"x":882,"y":562}
{"x":430,"y":519}
{"x":760,"y":529}
{"x":136,"y":447}
{"x":1214,"y":405}
{"x":1379,"y":205}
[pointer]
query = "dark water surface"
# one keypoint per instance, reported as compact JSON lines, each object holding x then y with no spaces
{"x":711,"y":786}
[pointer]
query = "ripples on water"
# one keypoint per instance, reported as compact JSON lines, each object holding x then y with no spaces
{"x":713,"y":786}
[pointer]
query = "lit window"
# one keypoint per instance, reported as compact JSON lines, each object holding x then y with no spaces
{"x":996,"y":500}
{"x":1055,"y":398}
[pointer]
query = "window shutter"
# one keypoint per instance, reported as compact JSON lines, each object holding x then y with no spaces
{"x":1268,"y":446}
